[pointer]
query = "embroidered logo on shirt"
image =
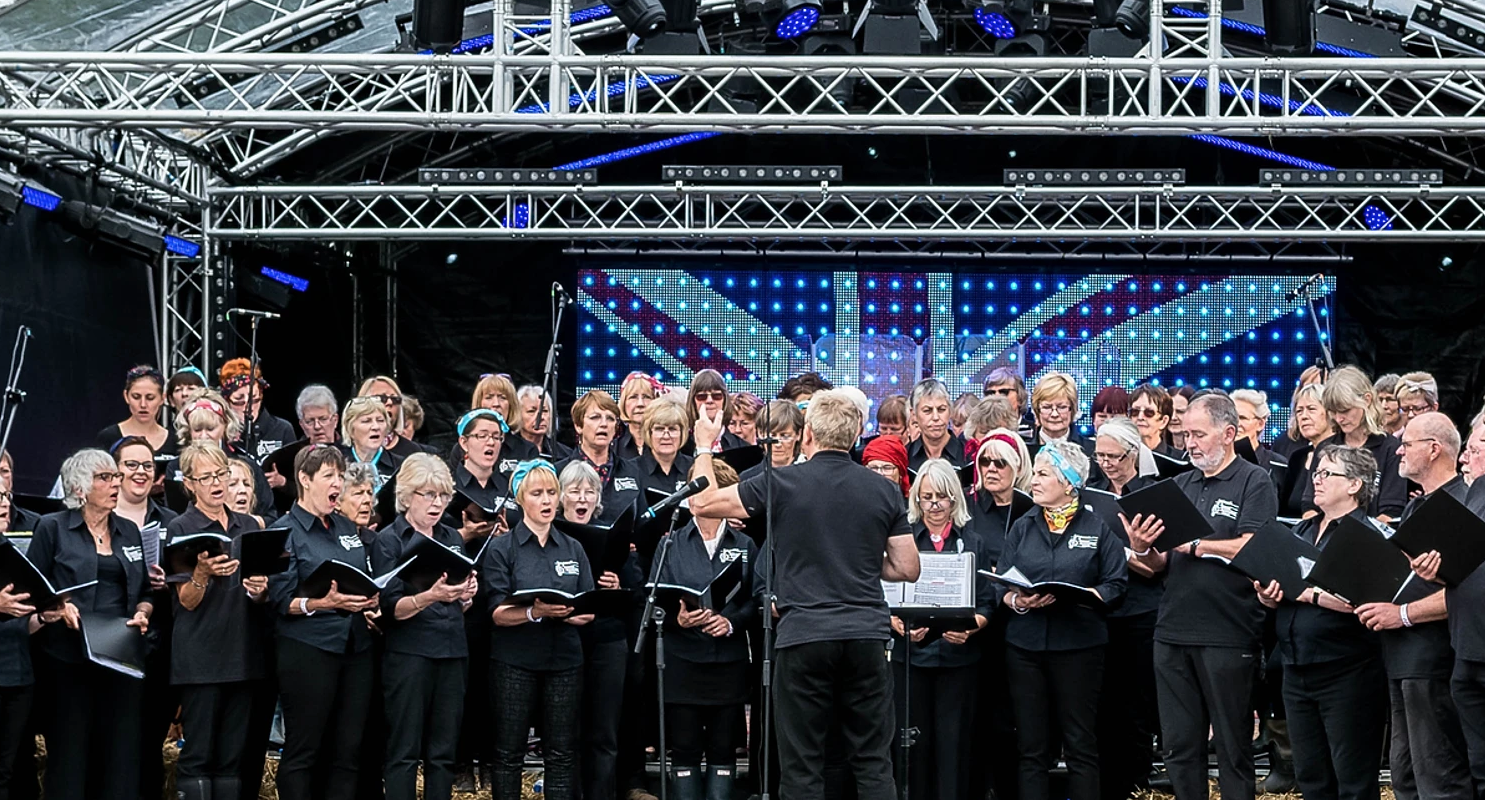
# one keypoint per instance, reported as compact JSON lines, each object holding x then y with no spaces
{"x":508,"y":464}
{"x":135,"y":554}
{"x":1225,"y":508}
{"x":731,"y":554}
{"x":564,"y":568}
{"x":1082,"y":542}
{"x":350,"y":542}
{"x":626,"y":485}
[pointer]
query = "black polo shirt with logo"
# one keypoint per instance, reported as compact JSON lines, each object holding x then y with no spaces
{"x":438,"y":630}
{"x":519,"y":561}
{"x":832,"y":519}
{"x":63,"y":550}
{"x":953,"y":453}
{"x":633,"y":477}
{"x":1207,"y":603}
{"x":687,"y":564}
{"x":221,"y":639}
{"x":310,"y":544}
{"x":1086,"y":553}
{"x":1424,"y":650}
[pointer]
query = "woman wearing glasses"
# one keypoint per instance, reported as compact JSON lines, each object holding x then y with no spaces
{"x":1335,"y":686}
{"x":423,"y":669}
{"x":365,"y":433}
{"x":483,"y":436}
{"x":1153,"y":412}
{"x":784,"y":423}
{"x":744,"y":408}
{"x":1054,"y":401}
{"x":886,"y":456}
{"x":944,"y":684}
{"x":709,"y":392}
{"x":144,"y":392}
{"x":1055,"y":648}
{"x":93,"y":714}
{"x":217,"y":660}
{"x":385,"y":391}
{"x":664,"y":466}
{"x":206,"y":417}
{"x":635,"y":395}
{"x":1358,"y":418}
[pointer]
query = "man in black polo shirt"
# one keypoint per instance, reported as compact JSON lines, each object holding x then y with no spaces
{"x":1427,"y":754}
{"x":1208,"y":631}
{"x":833,"y":521}
{"x":930,"y":408}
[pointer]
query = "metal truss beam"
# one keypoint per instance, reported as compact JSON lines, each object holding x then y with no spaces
{"x":851,"y":213}
{"x":890,"y":93}
{"x":1164,"y":252}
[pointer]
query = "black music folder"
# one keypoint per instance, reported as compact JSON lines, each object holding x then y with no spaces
{"x":1105,"y":506}
{"x":385,"y":511}
{"x":263,"y":552}
{"x":282,"y":460}
{"x":478,"y":512}
{"x":1168,"y":467}
{"x":607,"y":546}
{"x":17,"y":571}
{"x":1165,"y":500}
{"x":349,"y":579}
{"x":181,"y":553}
{"x":741,"y":458}
{"x":112,"y":644}
{"x":715,"y":595}
{"x":1276,"y":554}
{"x":1064,"y":592}
{"x":1360,"y":566}
{"x":1444,"y":524}
{"x":603,"y":602}
{"x":430,"y":561}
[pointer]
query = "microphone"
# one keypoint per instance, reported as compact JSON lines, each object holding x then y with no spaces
{"x":559,"y":292}
{"x":694,"y":487}
{"x":250,"y":314}
{"x":1303,"y":287}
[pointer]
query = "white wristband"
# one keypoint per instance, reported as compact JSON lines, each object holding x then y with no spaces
{"x":1402,"y":612}
{"x":304,"y":607}
{"x":529,"y":617}
{"x":1144,"y":552}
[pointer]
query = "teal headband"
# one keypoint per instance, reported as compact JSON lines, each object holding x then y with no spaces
{"x":524,"y":469}
{"x":479,"y":413}
{"x":1063,"y":466}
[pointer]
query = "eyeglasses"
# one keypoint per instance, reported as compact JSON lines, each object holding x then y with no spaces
{"x":932,"y":500}
{"x":883,"y":469}
{"x":317,"y":422}
{"x":108,"y":477}
{"x":216,"y":477}
{"x":1407,"y":442}
{"x":998,"y":463}
{"x":138,"y":466}
{"x":388,"y":399}
{"x":1146,"y":412}
{"x":1054,"y":409}
{"x":786,"y":438}
{"x":6,"y":497}
{"x":665,"y":431}
{"x":714,"y":394}
{"x":1109,"y":458}
{"x":1321,"y":474}
{"x":1473,"y":451}
{"x":1004,"y":391}
{"x":436,"y":498}
{"x":486,"y":436}
{"x":1413,"y":411}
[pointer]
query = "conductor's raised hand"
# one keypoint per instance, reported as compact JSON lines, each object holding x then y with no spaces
{"x":707,"y":430}
{"x":1143,"y":530}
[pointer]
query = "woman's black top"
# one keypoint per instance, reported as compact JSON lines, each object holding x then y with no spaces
{"x":110,"y":436}
{"x":936,"y":652}
{"x":269,"y":434}
{"x":222,"y":639}
{"x":687,"y":564}
{"x":1296,"y":495}
{"x":15,"y":646}
{"x":1310,"y":634}
{"x":63,"y":550}
{"x":1390,"y":488}
{"x":1143,"y":593}
{"x":991,"y":522}
{"x":624,"y":446}
{"x":1087,"y":554}
{"x":386,"y":462}
{"x":518,"y":561}
{"x":633,"y":478}
{"x":438,"y":630}
{"x":311,"y":543}
{"x":1284,"y":446}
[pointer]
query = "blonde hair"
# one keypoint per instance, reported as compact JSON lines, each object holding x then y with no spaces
{"x":1018,"y":456}
{"x":834,"y":420}
{"x":636,"y":383}
{"x":357,"y":408}
{"x":1350,"y":388}
{"x":546,"y":475}
{"x":201,"y":406}
{"x":197,"y":455}
{"x":236,"y":464}
{"x":419,"y":472}
{"x":664,"y":410}
{"x":1419,"y":383}
{"x":1055,"y":386}
{"x":375,"y":379}
{"x":938,"y":475}
{"x":501,"y":385}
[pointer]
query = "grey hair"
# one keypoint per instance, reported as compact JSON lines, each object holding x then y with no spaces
{"x":926,"y":388}
{"x":1123,"y":431}
{"x":1437,"y":426}
{"x":1072,"y":454}
{"x":359,"y":473}
{"x":938,"y":475}
{"x":78,"y":471}
{"x":1255,"y":398}
{"x":993,"y":411}
{"x":419,"y":472}
{"x":533,"y":392}
{"x":583,"y":472}
{"x":1357,"y":463}
{"x":1387,"y":384}
{"x":1218,"y":407}
{"x":316,"y":395}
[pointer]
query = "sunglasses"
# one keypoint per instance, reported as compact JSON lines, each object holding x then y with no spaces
{"x":714,"y":394}
{"x":389,"y":399}
{"x":1147,"y":413}
{"x":998,"y":463}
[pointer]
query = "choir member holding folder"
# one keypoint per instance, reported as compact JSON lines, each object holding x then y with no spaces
{"x":217,"y":656}
{"x":324,"y":644}
{"x":1055,"y":646}
{"x":93,"y":718}
{"x":426,"y":654}
{"x":536,"y":655}
{"x":706,"y":649}
{"x":945,"y":664}
{"x":1314,"y":426}
{"x":1210,"y":622}
{"x":482,"y":437}
{"x":1334,"y":682}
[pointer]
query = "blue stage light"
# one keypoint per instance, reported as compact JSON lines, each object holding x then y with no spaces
{"x":294,"y":282}
{"x":995,"y":23}
{"x":182,"y":247}
{"x":39,"y":198}
{"x":798,"y":22}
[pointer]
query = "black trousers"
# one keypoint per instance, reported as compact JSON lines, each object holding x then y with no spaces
{"x":159,"y":702}
{"x":15,"y":714}
{"x":942,"y":708}
{"x":475,"y":743}
{"x":214,"y":717}
{"x":1468,"y":689}
{"x":1199,"y":687}
{"x":604,"y":667}
{"x":259,"y":729}
{"x":425,"y":706}
{"x":849,"y":681}
{"x":325,"y":697}
{"x":92,"y":733}
{"x":693,"y":731}
{"x":995,"y":765}
{"x":373,"y":764}
{"x":517,"y":693}
{"x":1061,"y":687}
{"x":1336,"y":721}
{"x":1428,"y":747}
{"x":1127,"y":718}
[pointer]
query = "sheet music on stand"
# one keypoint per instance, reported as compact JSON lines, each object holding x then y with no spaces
{"x":945,"y":589}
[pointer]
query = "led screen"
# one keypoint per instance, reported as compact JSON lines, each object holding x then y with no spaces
{"x":881,"y":331}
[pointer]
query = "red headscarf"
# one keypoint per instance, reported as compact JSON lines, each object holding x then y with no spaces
{"x":891,"y":450}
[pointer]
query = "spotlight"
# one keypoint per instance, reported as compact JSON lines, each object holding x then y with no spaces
{"x":130,"y":234}
{"x":437,"y":25}
{"x":1133,"y":18}
{"x":1021,"y":92}
{"x":798,"y":18}
{"x":643,"y":18}
{"x":993,"y":19}
{"x":16,"y":191}
{"x":1289,"y":27}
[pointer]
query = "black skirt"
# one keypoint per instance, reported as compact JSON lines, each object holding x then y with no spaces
{"x":716,"y":684}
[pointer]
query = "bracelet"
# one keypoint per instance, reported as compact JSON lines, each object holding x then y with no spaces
{"x":1402,"y":612}
{"x":530,"y":617}
{"x":1194,"y":543}
{"x":1016,"y":607}
{"x":304,"y":607}
{"x":200,"y":586}
{"x":417,"y":607}
{"x":1144,"y":552}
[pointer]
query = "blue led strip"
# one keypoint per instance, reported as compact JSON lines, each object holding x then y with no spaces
{"x":638,"y":150}
{"x":1270,"y":100}
{"x":39,"y":198}
{"x":294,"y":282}
{"x":1261,"y":152}
{"x":182,"y":247}
{"x":1254,"y":30}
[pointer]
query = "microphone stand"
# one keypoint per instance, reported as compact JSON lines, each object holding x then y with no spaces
{"x":250,"y":438}
{"x":11,"y":399}
{"x":654,"y":617}
{"x":768,"y":440}
{"x":549,"y":373}
{"x":1319,"y":334}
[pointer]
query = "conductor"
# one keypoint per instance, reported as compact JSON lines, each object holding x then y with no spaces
{"x":833,"y":521}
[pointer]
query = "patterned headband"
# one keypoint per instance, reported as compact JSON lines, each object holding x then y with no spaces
{"x":236,"y":382}
{"x":482,"y":413}
{"x":524,"y":469}
{"x":1063,"y":466}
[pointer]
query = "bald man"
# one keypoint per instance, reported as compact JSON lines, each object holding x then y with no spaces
{"x":1428,"y":746}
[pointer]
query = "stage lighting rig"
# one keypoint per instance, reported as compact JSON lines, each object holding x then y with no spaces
{"x":892,"y":26}
{"x":16,"y":191}
{"x":1289,"y":27}
{"x":133,"y":235}
{"x":1133,"y":19}
{"x":797,"y":17}
{"x":437,"y":25}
